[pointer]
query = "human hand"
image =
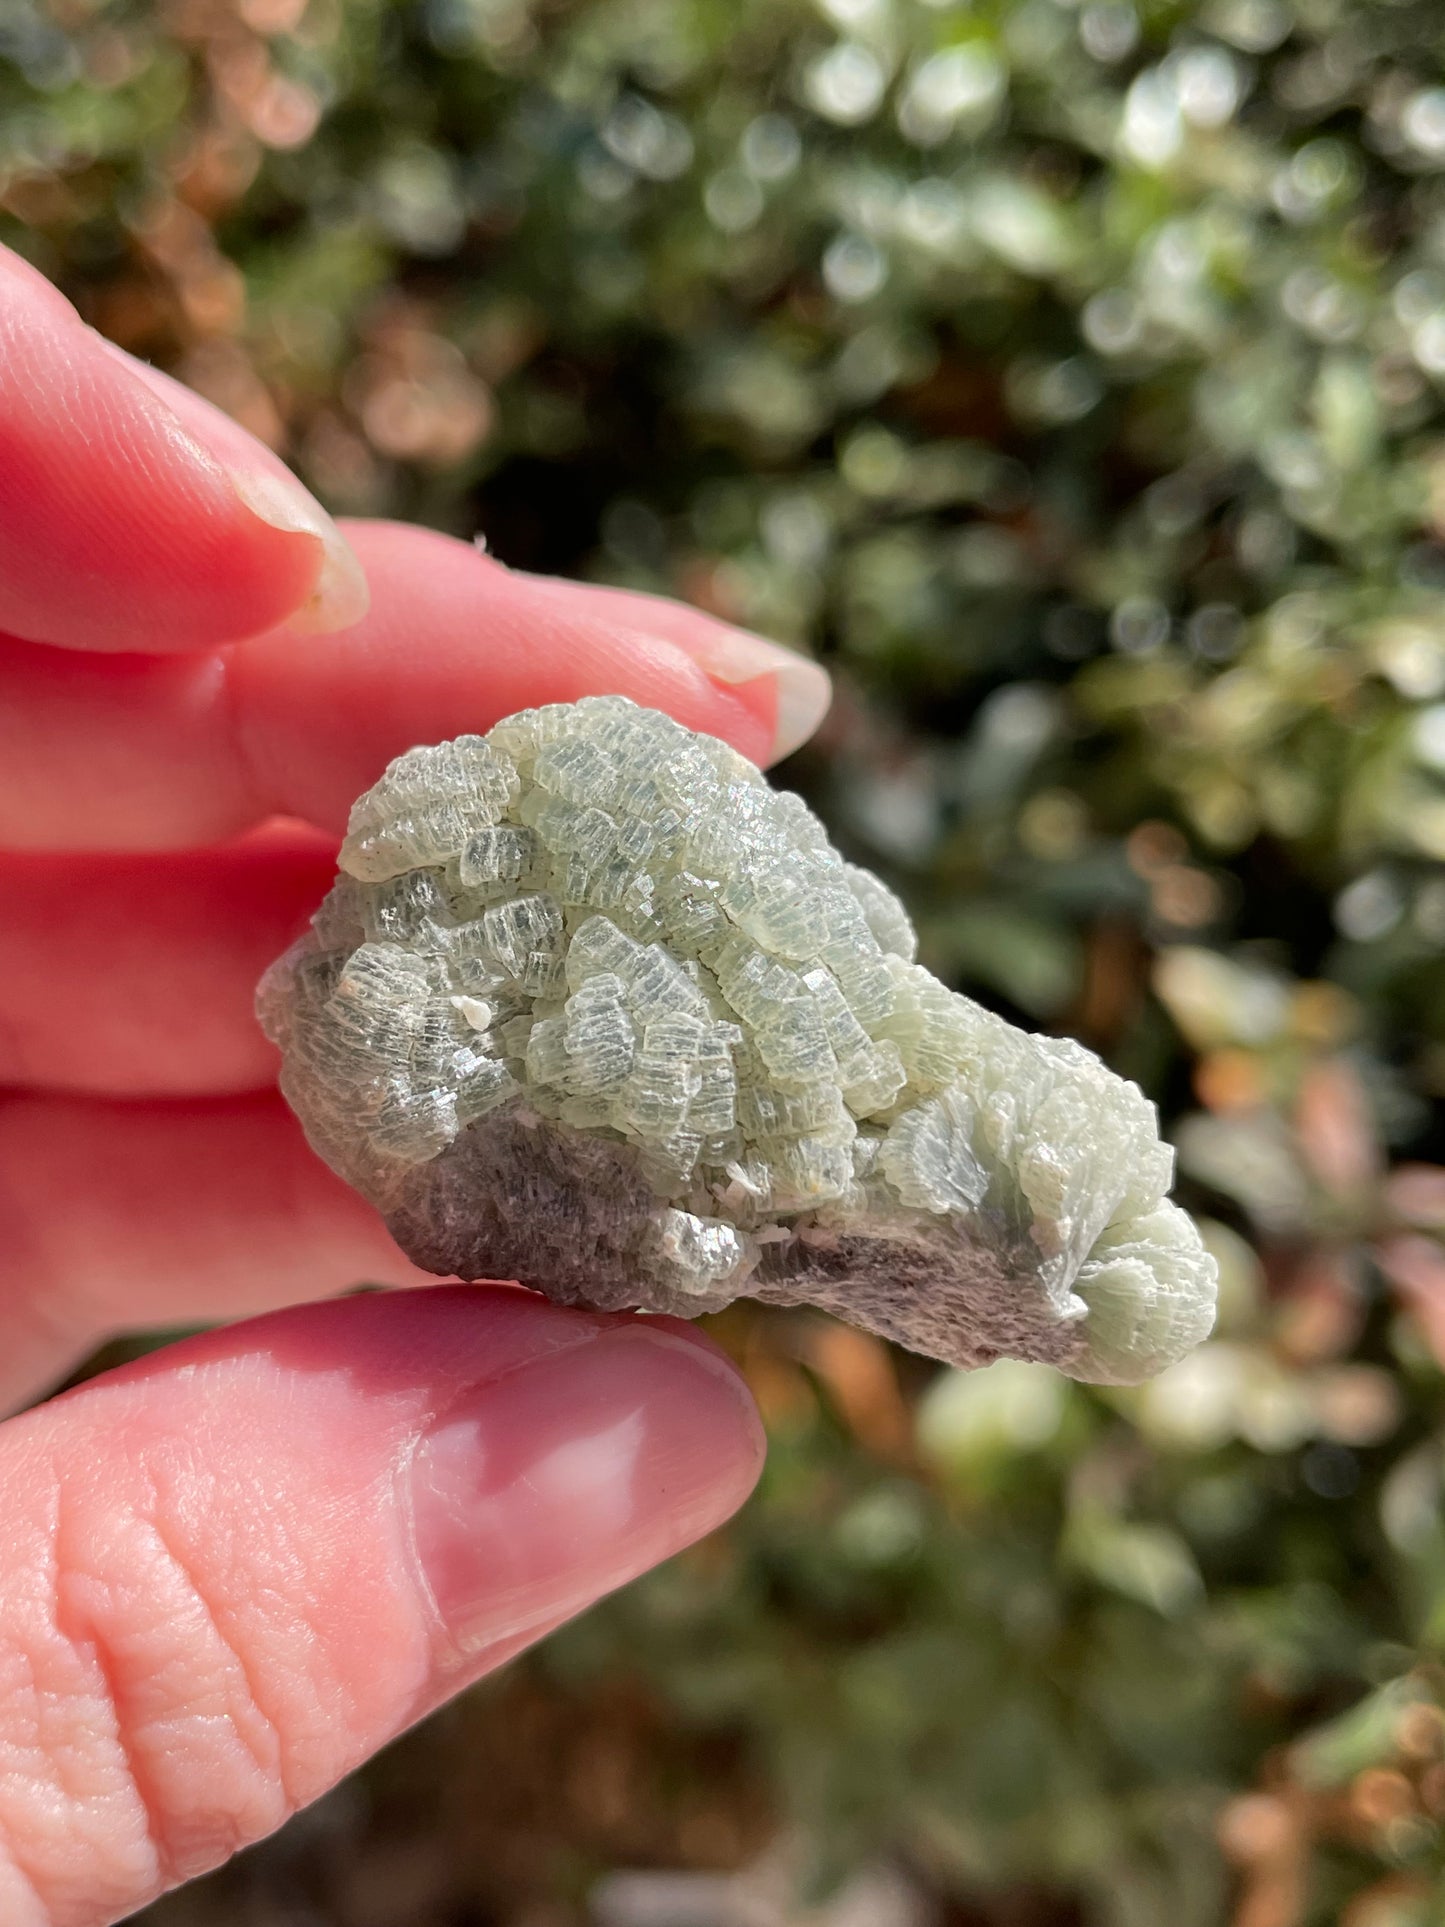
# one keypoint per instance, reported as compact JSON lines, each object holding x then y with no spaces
{"x":232,"y":1570}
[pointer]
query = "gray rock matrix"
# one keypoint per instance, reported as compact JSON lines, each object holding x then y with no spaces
{"x":594,"y":1008}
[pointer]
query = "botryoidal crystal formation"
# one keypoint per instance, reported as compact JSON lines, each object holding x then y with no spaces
{"x":594,"y":1008}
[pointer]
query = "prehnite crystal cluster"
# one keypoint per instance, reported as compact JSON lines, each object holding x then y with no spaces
{"x":594,"y":1008}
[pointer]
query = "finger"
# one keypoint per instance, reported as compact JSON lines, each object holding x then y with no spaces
{"x":126,"y":753}
{"x":136,"y":976}
{"x":133,"y":515}
{"x":141,"y":1216}
{"x":731,"y":655}
{"x":231,"y":1572}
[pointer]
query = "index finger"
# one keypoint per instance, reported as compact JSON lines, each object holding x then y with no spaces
{"x":133,"y":515}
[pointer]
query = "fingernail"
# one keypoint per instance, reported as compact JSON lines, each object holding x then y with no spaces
{"x":540,"y":1492}
{"x":339,"y":596}
{"x":803,"y":688}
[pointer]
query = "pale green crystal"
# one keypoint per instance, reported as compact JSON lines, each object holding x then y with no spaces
{"x":593,"y":1007}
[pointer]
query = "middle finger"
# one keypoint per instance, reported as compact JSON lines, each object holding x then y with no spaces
{"x":147,"y":753}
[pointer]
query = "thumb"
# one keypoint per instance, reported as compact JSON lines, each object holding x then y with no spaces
{"x":230,"y":1572}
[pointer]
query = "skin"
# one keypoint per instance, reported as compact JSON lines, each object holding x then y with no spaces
{"x":231,"y":1571}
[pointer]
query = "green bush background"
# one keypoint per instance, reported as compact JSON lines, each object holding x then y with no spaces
{"x":1069,"y":378}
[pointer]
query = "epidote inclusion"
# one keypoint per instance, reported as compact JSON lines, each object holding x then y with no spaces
{"x":592,"y":1007}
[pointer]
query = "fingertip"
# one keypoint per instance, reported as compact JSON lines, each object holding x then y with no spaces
{"x":333,"y":591}
{"x":792,"y":692}
{"x":128,"y":512}
{"x":532,"y":1496}
{"x":339,"y":595}
{"x":785,"y":694}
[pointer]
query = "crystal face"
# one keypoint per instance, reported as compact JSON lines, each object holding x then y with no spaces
{"x":592,"y":1007}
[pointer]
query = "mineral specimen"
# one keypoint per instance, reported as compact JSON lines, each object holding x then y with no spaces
{"x":593,"y":1008}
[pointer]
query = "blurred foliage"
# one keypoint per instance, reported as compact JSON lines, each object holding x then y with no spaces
{"x":1070,"y":377}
